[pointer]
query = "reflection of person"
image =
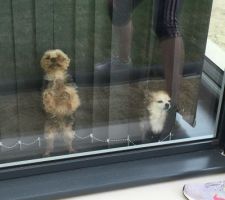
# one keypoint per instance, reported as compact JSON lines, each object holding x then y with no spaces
{"x":166,"y":28}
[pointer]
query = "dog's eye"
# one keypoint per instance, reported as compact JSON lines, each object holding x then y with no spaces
{"x":159,"y":101}
{"x":48,"y":57}
{"x":61,"y":58}
{"x":169,"y":101}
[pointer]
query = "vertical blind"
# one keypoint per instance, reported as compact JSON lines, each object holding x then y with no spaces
{"x":83,"y":30}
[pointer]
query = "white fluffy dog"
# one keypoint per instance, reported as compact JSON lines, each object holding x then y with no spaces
{"x":158,"y":104}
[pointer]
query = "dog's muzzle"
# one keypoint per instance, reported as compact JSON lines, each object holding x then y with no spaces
{"x":54,"y":65}
{"x":167,"y":106}
{"x":53,"y":60}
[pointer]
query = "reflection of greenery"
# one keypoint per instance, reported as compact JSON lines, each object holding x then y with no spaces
{"x":194,"y":19}
{"x":195,"y":24}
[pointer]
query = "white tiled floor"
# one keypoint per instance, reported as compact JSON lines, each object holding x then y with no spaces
{"x":162,"y":191}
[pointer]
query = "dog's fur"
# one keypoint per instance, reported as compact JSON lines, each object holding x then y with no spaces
{"x":157,"y":105}
{"x":55,"y":64}
{"x":60,"y":98}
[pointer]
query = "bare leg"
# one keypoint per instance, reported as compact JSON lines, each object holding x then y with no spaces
{"x":173,"y":60}
{"x":124,"y":34}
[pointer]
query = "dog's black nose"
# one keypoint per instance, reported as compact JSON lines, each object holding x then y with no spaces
{"x":167,"y":106}
{"x":53,"y":59}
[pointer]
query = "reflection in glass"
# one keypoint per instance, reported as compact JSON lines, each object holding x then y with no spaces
{"x":135,"y":76}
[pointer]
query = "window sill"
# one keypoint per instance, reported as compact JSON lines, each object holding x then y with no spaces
{"x":113,"y":176}
{"x":215,"y":54}
{"x":160,"y":191}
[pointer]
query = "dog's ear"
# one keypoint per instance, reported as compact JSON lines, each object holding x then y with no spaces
{"x":147,"y":96}
{"x":68,"y":60}
{"x":151,"y":96}
{"x":42,"y":61}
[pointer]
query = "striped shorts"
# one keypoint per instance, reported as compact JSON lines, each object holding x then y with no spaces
{"x":165,"y":15}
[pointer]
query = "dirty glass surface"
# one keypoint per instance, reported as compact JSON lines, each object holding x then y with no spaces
{"x":83,"y":77}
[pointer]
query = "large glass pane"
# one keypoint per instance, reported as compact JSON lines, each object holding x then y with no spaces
{"x":84,"y":77}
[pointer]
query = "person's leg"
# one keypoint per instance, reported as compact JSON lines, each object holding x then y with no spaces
{"x":122,"y":25}
{"x":171,"y":43}
{"x":120,"y":12}
{"x":173,"y":61}
{"x":124,"y":34}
